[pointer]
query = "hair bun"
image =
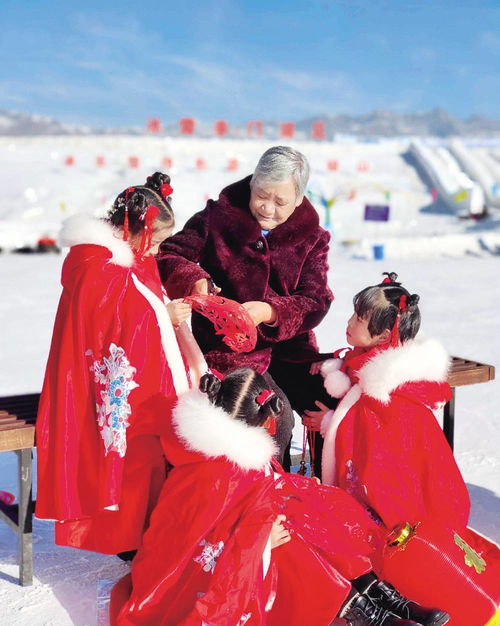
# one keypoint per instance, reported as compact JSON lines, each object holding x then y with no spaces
{"x":155,"y":181}
{"x":413,"y":300}
{"x":211,"y":385}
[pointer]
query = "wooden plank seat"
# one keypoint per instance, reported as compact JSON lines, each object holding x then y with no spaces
{"x":463,"y":372}
{"x":17,"y":434}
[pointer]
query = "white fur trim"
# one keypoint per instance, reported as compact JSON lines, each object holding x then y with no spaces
{"x":415,"y":360}
{"x":325,"y":422}
{"x":330,"y":365}
{"x":210,"y":430}
{"x":337,"y":384}
{"x":328,"y":458}
{"x":82,"y":228}
{"x":167,"y":335}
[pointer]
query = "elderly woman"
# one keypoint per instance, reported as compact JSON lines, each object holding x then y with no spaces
{"x":262,"y":245}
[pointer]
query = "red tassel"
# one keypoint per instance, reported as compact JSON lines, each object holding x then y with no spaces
{"x":148,"y":217}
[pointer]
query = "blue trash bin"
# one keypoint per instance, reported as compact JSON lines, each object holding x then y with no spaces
{"x":378,"y":252}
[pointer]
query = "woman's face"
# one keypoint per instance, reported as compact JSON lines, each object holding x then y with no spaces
{"x":271,"y":204}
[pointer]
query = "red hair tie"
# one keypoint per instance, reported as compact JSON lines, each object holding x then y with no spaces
{"x":216,"y":373}
{"x":166,"y":191}
{"x":148,"y":217}
{"x":402,"y":308}
{"x":263,"y":396}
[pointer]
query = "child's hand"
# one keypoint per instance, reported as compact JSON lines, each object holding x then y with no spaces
{"x":316,"y":367}
{"x":179,"y":311}
{"x":279,"y":533}
{"x":312,"y":419}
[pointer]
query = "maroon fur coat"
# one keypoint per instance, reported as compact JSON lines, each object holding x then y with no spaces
{"x":287,"y":269}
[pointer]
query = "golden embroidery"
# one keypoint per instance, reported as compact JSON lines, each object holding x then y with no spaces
{"x":472,"y":558}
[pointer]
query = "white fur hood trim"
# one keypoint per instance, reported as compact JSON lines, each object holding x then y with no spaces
{"x":210,"y":430}
{"x":419,"y":359}
{"x":83,"y":228}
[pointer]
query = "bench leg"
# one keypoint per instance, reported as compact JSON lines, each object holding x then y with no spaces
{"x":25,"y":520}
{"x":449,"y":419}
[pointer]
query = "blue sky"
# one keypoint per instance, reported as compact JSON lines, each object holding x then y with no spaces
{"x":116,"y":63}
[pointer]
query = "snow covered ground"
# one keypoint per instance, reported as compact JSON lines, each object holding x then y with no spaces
{"x":453,"y":264}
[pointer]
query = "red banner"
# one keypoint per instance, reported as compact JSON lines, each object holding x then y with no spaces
{"x":254,"y":126}
{"x":318,"y":130}
{"x":287,"y":129}
{"x":186,"y":125}
{"x":221,"y":128}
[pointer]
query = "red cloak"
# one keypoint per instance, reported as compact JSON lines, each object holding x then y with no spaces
{"x":113,"y":374}
{"x":384,"y":446}
{"x":204,"y":558}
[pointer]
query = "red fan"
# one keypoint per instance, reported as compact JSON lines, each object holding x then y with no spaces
{"x":229,"y":318}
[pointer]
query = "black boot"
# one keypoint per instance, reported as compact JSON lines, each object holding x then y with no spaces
{"x":385,"y":596}
{"x":362,"y":611}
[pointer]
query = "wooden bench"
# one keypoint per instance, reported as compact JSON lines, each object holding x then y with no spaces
{"x":17,"y":434}
{"x":462,"y":372}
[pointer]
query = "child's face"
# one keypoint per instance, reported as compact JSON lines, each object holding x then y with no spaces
{"x":358,"y":335}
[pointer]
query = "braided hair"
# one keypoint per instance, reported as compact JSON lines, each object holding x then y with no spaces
{"x":380,"y":305}
{"x":237,"y":394}
{"x":134,"y":201}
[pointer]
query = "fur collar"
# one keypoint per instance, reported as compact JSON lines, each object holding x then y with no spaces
{"x":243,"y":228}
{"x":416,"y":360}
{"x":210,"y":430}
{"x":85,"y":229}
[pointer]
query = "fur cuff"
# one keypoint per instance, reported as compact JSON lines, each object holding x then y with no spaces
{"x":330,"y":365}
{"x":337,"y":384}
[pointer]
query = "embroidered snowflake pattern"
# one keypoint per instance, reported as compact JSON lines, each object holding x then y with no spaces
{"x":115,"y":376}
{"x":208,"y":557}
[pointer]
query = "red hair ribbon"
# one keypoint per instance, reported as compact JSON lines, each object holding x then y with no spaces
{"x":216,"y":373}
{"x":148,"y":217}
{"x":270,"y":425}
{"x":166,"y":191}
{"x":264,"y":395}
{"x":402,"y":308}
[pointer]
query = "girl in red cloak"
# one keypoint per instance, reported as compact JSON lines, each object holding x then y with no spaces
{"x":206,"y":558}
{"x":114,"y":370}
{"x":384,"y":446}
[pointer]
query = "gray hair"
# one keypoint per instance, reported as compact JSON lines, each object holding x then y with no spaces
{"x":279,"y":163}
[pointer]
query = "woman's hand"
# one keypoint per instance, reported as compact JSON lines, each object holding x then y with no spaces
{"x":312,"y":419}
{"x":260,"y":312}
{"x":179,"y":311}
{"x":316,"y":367}
{"x":201,"y":288}
{"x":279,"y":533}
